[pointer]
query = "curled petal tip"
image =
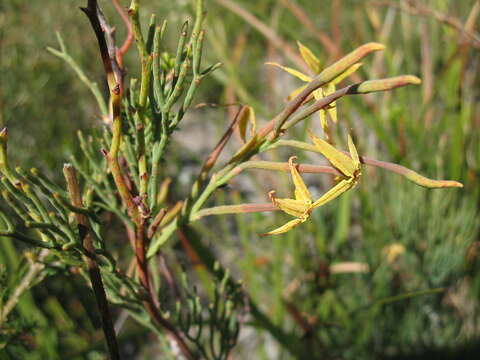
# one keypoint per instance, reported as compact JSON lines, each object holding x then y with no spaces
{"x":271,"y":195}
{"x":291,"y":160}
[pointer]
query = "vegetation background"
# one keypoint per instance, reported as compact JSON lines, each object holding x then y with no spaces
{"x":420,"y":295}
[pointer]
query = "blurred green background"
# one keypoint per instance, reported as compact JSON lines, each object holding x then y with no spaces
{"x":420,"y":295}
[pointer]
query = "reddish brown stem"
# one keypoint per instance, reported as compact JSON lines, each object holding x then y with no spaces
{"x":129,"y":39}
{"x":156,"y":223}
{"x":149,"y":304}
{"x":114,"y":76}
{"x":213,"y":156}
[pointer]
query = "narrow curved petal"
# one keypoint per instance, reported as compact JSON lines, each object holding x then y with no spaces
{"x":310,"y":59}
{"x":332,"y":110}
{"x":284,"y":228}
{"x":353,"y":151}
{"x":339,"y":160}
{"x":301,"y":190}
{"x":346,"y":73}
{"x":291,"y":71}
{"x":334,"y":192}
{"x":295,"y":92}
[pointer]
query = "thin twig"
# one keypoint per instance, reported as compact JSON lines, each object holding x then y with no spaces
{"x":114,"y":79}
{"x":93,"y":86}
{"x":235,"y":209}
{"x":213,"y":156}
{"x":129,"y":39}
{"x":91,"y":261}
{"x":25,"y":284}
{"x":283,"y":166}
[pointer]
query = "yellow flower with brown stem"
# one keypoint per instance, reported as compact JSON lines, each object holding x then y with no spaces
{"x":302,"y":205}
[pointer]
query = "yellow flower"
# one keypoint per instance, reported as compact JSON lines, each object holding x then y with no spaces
{"x":348,"y":166}
{"x":302,"y":206}
{"x":313,"y":64}
{"x":392,"y":252}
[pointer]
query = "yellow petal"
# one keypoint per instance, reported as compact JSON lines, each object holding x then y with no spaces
{"x":296,"y":92}
{"x":334,"y":192}
{"x":393,"y":251}
{"x":346,"y":73}
{"x":284,"y":228}
{"x":332,"y":110}
{"x":245,"y":148}
{"x":247,"y":116}
{"x":301,"y":190}
{"x":353,"y":152}
{"x":297,"y":208}
{"x":310,"y":59}
{"x":328,"y":89}
{"x":294,"y":72}
{"x":339,"y":160}
{"x":318,"y":94}
{"x":323,"y":120}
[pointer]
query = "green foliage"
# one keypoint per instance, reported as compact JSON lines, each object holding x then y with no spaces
{"x":11,"y":334}
{"x":213,"y":329}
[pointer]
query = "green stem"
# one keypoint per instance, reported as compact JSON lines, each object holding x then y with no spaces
{"x":92,"y":86}
{"x":146,"y":73}
{"x":30,"y":278}
{"x":34,"y":242}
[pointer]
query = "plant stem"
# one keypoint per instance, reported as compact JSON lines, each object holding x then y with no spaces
{"x":234,"y":209}
{"x":93,"y":86}
{"x":207,"y":258}
{"x":27,"y":282}
{"x":113,"y":77}
{"x":395,"y":168}
{"x":91,"y":261}
{"x":146,"y":62}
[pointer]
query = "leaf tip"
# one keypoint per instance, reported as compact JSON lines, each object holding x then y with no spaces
{"x":413,"y":79}
{"x":374,"y":46}
{"x":457,"y":184}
